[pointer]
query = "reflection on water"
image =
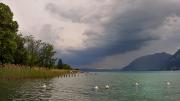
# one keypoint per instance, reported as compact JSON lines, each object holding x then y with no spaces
{"x":152,"y":87}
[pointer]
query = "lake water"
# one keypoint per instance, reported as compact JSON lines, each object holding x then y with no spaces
{"x":152,"y":87}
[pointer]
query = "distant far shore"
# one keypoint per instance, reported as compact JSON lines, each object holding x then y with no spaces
{"x":121,"y":70}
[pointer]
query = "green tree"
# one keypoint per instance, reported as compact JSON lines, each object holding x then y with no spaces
{"x":47,"y":55}
{"x":21,"y":50}
{"x":32,"y":47}
{"x":8,"y":32}
{"x":20,"y":55}
{"x":39,"y":53}
{"x":66,"y":66}
{"x":60,"y":64}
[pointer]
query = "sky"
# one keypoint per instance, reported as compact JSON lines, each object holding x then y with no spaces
{"x":101,"y":33}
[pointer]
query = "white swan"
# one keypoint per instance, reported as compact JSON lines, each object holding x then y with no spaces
{"x":137,"y":84}
{"x":44,"y":86}
{"x":168,"y":83}
{"x":96,"y":87}
{"x":107,"y":86}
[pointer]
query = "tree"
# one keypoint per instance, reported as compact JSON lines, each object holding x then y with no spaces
{"x":20,"y":55}
{"x":30,"y":50}
{"x":22,"y":50}
{"x":60,"y":64}
{"x":33,"y":48}
{"x":66,"y":66}
{"x":39,"y":53}
{"x":8,"y":31}
{"x":47,"y":55}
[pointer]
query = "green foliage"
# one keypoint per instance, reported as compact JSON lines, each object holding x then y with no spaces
{"x":16,"y":49}
{"x":39,"y":53}
{"x":47,"y":55}
{"x":20,"y":55}
{"x":66,"y":66}
{"x":8,"y":30}
{"x":32,"y":55}
{"x":60,"y":64}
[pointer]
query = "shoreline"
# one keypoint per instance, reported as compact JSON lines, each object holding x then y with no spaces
{"x":24,"y":72}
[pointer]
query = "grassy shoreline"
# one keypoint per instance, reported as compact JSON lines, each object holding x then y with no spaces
{"x":24,"y":72}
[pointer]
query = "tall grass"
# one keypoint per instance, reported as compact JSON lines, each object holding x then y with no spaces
{"x":23,"y":72}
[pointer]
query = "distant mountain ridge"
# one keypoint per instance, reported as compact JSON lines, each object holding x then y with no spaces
{"x":174,"y":62}
{"x":153,"y":62}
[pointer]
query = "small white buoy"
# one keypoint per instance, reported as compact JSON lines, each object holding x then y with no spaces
{"x":44,"y":86}
{"x":168,"y":83}
{"x":107,"y":86}
{"x":96,"y":87}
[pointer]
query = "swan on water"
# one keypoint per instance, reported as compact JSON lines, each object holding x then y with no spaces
{"x":96,"y":87}
{"x":137,"y":84}
{"x":168,"y":83}
{"x":44,"y":86}
{"x":107,"y":86}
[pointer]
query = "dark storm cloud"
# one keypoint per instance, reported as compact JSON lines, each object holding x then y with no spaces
{"x":127,"y":31}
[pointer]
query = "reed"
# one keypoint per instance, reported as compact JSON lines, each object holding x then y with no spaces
{"x":23,"y":72}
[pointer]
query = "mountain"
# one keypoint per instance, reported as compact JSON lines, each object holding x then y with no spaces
{"x":174,"y":62}
{"x":151,"y":62}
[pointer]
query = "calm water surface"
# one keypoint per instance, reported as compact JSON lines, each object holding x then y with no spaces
{"x":152,"y":87}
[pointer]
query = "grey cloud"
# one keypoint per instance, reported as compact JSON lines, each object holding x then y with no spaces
{"x":127,"y":31}
{"x":50,"y":34}
{"x":72,"y":14}
{"x":76,"y":14}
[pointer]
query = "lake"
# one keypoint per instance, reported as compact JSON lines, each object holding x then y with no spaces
{"x":152,"y":87}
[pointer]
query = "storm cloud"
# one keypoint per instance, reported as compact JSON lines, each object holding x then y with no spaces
{"x":128,"y":31}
